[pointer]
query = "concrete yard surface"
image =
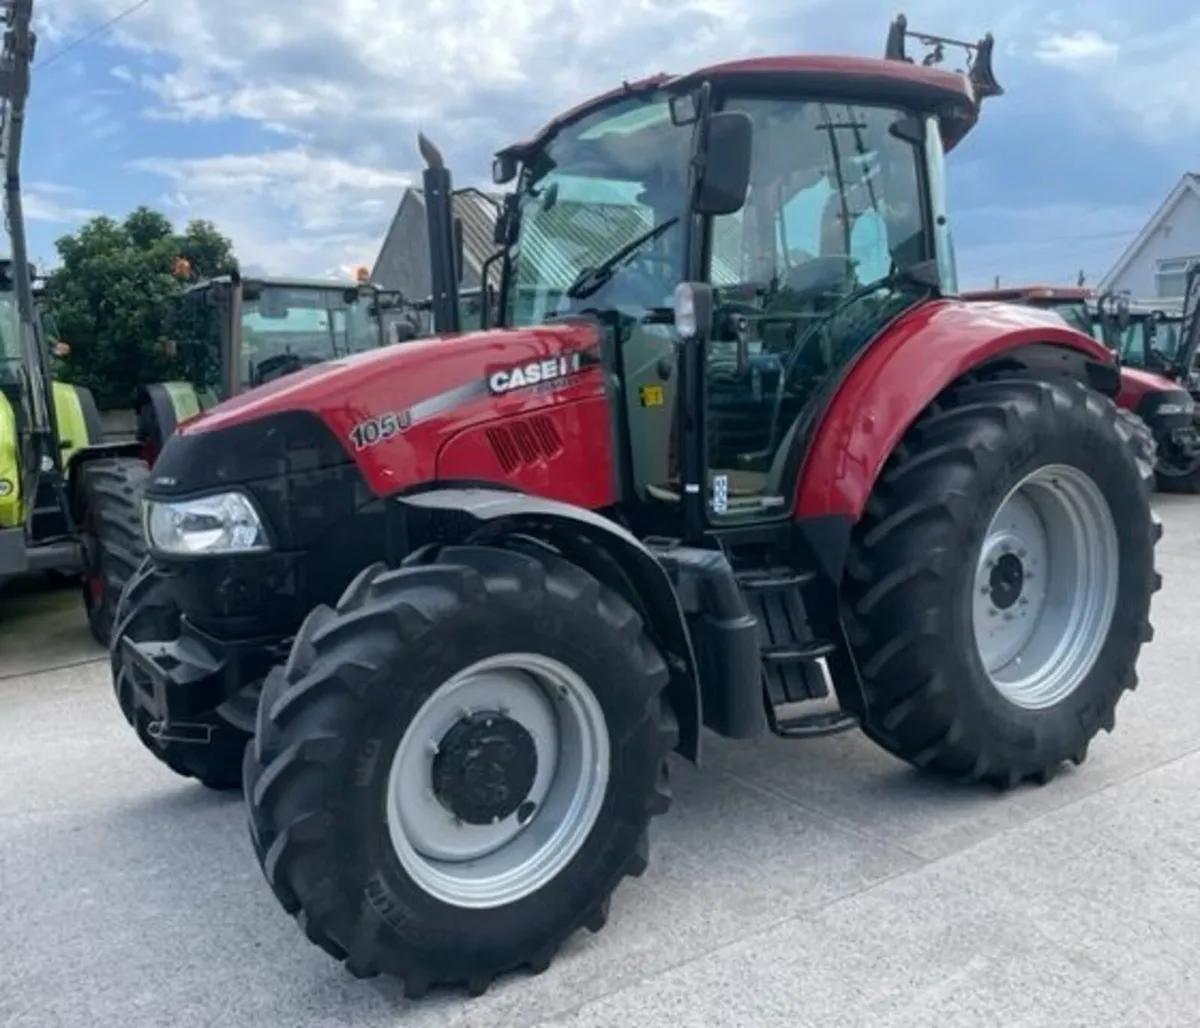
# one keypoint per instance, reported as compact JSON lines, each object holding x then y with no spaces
{"x":792,"y":884}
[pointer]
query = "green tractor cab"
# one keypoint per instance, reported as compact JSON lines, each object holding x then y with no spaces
{"x":233,"y":333}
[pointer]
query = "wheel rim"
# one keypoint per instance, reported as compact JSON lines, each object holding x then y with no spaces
{"x":1045,"y":589}
{"x":498,"y":781}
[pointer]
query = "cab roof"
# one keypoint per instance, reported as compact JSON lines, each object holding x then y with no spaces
{"x":925,"y":90}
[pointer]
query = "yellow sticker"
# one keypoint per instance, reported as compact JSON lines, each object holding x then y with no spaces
{"x":652,"y":396}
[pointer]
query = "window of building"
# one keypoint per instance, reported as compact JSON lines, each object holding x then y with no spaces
{"x":1170,"y":275}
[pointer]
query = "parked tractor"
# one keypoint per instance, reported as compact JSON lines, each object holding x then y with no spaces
{"x":445,"y":610}
{"x":230,"y":334}
{"x":1156,"y":350}
{"x":45,"y":425}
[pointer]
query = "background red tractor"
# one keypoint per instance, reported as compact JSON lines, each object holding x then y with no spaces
{"x":1156,"y":351}
{"x":492,"y":582}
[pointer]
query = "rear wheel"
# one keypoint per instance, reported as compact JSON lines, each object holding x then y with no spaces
{"x":147,"y":611}
{"x":999,"y":586}
{"x":458,"y":766}
{"x":110,"y":518}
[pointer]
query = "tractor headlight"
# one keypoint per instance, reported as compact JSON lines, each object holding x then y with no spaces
{"x":221,"y":524}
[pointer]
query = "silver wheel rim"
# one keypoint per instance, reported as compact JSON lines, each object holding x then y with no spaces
{"x":1045,"y":589}
{"x":482,"y":866}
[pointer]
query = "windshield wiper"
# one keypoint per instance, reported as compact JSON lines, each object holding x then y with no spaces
{"x":590,"y":280}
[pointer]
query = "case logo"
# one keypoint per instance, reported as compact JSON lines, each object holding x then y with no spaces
{"x":543,"y":372}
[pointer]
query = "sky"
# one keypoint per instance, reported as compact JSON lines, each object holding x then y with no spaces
{"x":292,"y":123}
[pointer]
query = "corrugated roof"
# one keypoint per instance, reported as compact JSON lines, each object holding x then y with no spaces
{"x":478,"y":211}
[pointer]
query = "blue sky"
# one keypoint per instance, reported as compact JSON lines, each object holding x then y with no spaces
{"x":292,"y":123}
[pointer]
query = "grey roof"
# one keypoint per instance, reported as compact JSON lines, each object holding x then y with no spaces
{"x":477,"y":210}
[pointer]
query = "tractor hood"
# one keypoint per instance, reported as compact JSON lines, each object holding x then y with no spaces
{"x":392,"y":414}
{"x":415,"y":380}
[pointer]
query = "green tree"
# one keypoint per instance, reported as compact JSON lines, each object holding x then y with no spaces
{"x":112,"y":294}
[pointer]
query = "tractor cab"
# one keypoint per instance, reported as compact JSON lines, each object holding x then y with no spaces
{"x":234,"y":333}
{"x":1146,"y":335}
{"x":819,"y":219}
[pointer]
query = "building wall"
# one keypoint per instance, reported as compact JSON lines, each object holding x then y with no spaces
{"x":1177,"y":238}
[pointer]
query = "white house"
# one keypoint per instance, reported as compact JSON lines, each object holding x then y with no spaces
{"x":1153,"y":265}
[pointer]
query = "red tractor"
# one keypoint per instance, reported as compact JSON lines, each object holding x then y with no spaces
{"x":446,"y":609}
{"x":1158,"y":380}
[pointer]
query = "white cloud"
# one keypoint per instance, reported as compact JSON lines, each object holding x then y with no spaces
{"x":346,"y":84}
{"x":1080,"y":48}
{"x":288,"y":210}
{"x":58,"y":205}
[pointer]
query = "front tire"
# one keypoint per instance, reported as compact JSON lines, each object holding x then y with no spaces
{"x":347,"y":755}
{"x":952,"y":587}
{"x":147,"y":611}
{"x":110,"y":516}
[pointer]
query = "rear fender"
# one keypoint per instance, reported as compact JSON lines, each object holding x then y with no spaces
{"x":170,"y":403}
{"x":76,"y":418}
{"x":11,"y":514}
{"x":907,"y":367}
{"x":605,"y":549}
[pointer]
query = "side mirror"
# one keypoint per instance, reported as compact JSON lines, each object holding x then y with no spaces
{"x":1123,"y":314}
{"x":725,"y":177}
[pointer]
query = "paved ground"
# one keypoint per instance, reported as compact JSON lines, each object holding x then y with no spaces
{"x":792,"y":884}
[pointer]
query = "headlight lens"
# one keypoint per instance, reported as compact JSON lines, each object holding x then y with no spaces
{"x":224,"y":523}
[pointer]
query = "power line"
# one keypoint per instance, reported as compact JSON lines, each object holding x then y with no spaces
{"x":87,"y":37}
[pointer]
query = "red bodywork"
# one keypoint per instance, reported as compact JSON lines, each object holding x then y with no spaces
{"x":900,"y":373}
{"x":557,"y":442}
{"x":1136,"y":383}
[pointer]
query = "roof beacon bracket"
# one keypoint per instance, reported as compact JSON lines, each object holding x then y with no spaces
{"x":978,"y":71}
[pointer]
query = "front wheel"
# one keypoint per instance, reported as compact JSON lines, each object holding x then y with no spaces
{"x":110,"y":515}
{"x":998,"y":590}
{"x":458,"y":766}
{"x":147,"y":611}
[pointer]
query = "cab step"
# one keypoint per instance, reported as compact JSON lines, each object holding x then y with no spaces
{"x":802,"y":702}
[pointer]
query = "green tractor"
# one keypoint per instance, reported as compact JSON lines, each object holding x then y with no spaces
{"x":229,"y":334}
{"x":45,"y":426}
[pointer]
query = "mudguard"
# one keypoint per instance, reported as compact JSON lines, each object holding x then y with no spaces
{"x":76,"y":418}
{"x":918,"y":356}
{"x":171,"y":404}
{"x":10,"y":471}
{"x":462,"y":511}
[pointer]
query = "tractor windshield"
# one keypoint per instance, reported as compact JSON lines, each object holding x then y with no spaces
{"x":1149,"y":342}
{"x":286,"y":327}
{"x":596,"y":187}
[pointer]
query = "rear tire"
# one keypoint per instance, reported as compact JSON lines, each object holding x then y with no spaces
{"x":321,"y":795}
{"x":110,"y":518}
{"x":913,"y":579}
{"x":147,"y":611}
